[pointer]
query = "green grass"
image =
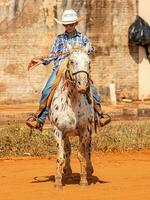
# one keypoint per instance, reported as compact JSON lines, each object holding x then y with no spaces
{"x":17,"y":141}
{"x":121,"y":136}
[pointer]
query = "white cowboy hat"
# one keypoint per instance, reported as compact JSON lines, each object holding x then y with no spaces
{"x":69,"y":17}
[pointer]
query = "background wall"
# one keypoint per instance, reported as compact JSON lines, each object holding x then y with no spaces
{"x":27,"y":29}
{"x":115,"y":59}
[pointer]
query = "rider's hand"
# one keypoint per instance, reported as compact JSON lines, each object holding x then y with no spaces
{"x":34,"y":62}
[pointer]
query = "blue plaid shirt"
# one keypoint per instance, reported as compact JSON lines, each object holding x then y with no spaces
{"x":60,"y":46}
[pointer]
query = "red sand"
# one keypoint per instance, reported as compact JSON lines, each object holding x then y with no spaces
{"x":117,"y":176}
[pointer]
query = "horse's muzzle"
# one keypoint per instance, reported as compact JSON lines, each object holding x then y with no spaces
{"x":82,"y":89}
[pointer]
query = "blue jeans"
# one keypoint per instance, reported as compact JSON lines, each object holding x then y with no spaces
{"x":47,"y":89}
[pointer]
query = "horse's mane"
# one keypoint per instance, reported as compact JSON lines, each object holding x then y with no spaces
{"x":59,"y":76}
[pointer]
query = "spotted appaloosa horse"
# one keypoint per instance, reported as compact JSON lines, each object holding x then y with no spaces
{"x":70,"y":113}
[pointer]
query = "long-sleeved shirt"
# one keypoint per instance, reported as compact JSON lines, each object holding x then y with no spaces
{"x":61,"y":47}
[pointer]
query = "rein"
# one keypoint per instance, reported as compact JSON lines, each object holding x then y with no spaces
{"x":80,"y":71}
{"x":53,"y":55}
{"x":71,"y":74}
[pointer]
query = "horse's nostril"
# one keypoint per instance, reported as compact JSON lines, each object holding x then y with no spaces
{"x":79,"y":82}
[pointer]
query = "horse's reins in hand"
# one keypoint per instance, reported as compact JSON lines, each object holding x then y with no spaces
{"x":41,"y":58}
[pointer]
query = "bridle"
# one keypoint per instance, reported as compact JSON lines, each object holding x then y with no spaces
{"x":72,"y":74}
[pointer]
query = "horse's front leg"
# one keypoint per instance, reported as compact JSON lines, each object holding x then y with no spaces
{"x":89,"y":166}
{"x":82,"y":159}
{"x":60,"y":157}
{"x":67,"y":168}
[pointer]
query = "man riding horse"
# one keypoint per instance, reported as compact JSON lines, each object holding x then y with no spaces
{"x":73,"y":37}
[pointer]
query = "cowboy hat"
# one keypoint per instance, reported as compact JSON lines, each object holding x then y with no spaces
{"x":69,"y":17}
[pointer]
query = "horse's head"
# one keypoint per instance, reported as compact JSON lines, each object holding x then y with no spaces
{"x":78,"y":67}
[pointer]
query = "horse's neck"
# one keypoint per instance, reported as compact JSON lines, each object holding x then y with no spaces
{"x":69,"y":92}
{"x":73,"y":94}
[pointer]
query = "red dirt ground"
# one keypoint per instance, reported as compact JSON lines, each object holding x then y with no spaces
{"x":117,"y":176}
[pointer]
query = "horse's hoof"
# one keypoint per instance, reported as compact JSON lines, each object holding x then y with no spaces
{"x":84,"y":184}
{"x":58,"y":187}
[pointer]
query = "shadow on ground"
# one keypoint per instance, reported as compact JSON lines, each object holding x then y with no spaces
{"x":73,"y":179}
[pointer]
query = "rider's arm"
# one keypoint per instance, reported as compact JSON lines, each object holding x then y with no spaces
{"x":55,"y":50}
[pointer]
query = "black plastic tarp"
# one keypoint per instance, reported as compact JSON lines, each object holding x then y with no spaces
{"x":139,"y":32}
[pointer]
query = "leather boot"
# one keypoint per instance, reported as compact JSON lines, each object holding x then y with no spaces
{"x":103,"y":118}
{"x":33,"y":122}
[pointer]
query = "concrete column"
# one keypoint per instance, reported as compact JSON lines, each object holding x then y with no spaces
{"x":144,"y":64}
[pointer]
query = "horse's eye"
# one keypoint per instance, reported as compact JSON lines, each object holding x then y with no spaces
{"x":71,"y":62}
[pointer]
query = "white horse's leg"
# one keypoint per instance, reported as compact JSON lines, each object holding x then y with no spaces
{"x":60,"y":157}
{"x":89,"y":166}
{"x":82,"y":159}
{"x":88,"y":138}
{"x":67,"y":168}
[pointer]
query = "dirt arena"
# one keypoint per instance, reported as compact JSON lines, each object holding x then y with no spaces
{"x":117,"y":176}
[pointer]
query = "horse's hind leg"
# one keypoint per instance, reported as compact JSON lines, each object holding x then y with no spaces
{"x":67,"y":168}
{"x":82,"y":159}
{"x":60,"y":157}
